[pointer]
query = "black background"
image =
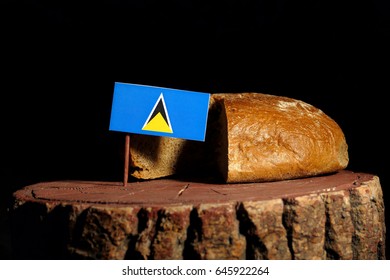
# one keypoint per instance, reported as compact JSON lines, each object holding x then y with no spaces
{"x":60,"y":60}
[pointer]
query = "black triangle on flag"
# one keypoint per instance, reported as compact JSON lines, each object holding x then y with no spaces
{"x":158,"y":119}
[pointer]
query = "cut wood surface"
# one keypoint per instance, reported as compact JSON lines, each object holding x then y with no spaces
{"x":336,"y":216}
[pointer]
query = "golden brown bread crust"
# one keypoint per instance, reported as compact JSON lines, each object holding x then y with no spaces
{"x":251,"y":137}
{"x":275,"y":138}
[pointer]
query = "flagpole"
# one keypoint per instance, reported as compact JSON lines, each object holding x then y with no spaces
{"x":127,"y":156}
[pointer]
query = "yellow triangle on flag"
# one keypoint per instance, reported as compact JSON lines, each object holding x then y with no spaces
{"x":158,"y":124}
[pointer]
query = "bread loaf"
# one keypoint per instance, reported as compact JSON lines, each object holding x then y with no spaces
{"x":250,"y":137}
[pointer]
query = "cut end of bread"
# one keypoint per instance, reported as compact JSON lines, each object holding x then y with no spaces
{"x":153,"y":156}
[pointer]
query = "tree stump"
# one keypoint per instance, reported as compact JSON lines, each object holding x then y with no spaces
{"x":337,"y":216}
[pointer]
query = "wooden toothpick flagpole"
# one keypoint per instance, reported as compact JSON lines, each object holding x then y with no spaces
{"x":127,"y":156}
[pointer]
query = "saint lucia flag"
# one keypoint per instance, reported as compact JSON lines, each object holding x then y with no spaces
{"x":159,"y":111}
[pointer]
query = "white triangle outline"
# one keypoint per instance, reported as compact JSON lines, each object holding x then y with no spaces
{"x":161,"y":97}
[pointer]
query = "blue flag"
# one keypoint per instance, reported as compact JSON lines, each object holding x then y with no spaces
{"x":159,"y":111}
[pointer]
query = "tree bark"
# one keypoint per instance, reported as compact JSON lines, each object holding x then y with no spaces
{"x":337,"y":216}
